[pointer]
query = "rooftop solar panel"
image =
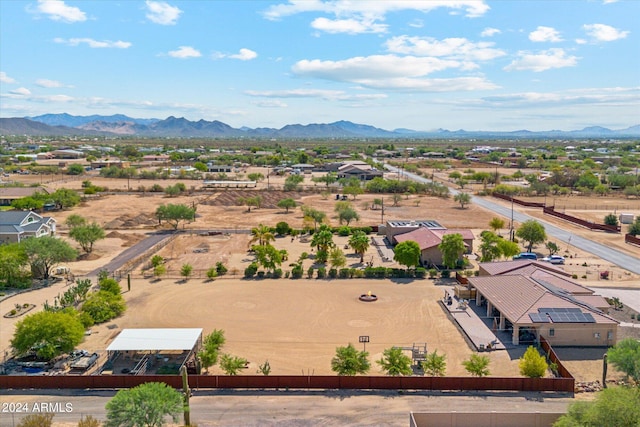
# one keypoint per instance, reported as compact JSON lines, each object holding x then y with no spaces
{"x":538,"y":318}
{"x":571,"y":317}
{"x":559,"y":310}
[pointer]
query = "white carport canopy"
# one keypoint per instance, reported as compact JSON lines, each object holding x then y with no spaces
{"x":171,"y":339}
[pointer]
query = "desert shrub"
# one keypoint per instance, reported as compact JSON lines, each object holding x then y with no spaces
{"x":260,"y":274}
{"x":310,"y":271}
{"x":296,"y":271}
{"x":345,"y":230}
{"x":445,"y":274}
{"x":421,"y":272}
{"x":277,"y":273}
{"x":251,"y":270}
{"x":221,"y":269}
{"x":333,"y":273}
{"x":322,"y":273}
{"x":345,"y":273}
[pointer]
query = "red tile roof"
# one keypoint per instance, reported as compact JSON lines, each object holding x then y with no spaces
{"x":428,"y":238}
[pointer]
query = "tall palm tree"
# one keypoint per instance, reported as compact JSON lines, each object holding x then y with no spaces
{"x":262,"y":235}
{"x":359,"y":242}
{"x":323,"y":238}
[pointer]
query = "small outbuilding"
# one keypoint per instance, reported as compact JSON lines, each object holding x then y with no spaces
{"x":159,"y":350}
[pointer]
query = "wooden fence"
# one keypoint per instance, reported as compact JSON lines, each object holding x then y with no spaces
{"x":518,"y":201}
{"x":565,"y":385}
{"x":553,"y":358}
{"x":550,"y":210}
{"x":630,"y":238}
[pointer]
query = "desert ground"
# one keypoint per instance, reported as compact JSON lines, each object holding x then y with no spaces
{"x":295,"y":324}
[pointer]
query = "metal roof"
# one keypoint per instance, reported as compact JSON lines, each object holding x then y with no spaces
{"x":156,"y":339}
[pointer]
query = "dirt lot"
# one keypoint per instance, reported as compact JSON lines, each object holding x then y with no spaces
{"x":296,"y":325}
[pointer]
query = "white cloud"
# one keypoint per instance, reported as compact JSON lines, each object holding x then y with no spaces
{"x":48,"y":83}
{"x":349,"y":26}
{"x":599,"y":96}
{"x":94,"y":44}
{"x":270,"y":104}
{"x":542,"y":61}
{"x":490,"y":32}
{"x":451,"y":47}
{"x":4,"y":78}
{"x":184,"y":52}
{"x":21,"y":91}
{"x":392,"y":72}
{"x":609,"y":1}
{"x":545,"y":34}
{"x":604,"y":33}
{"x":244,"y":55}
{"x":355,"y":17}
{"x":57,"y":10}
{"x":336,"y":95}
{"x":162,"y":13}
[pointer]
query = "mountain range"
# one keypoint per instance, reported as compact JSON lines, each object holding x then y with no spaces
{"x":121,"y":125}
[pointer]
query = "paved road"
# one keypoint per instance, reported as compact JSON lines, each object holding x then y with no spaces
{"x":298,"y":408}
{"x":614,"y":256}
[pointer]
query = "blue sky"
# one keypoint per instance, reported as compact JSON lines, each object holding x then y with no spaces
{"x":422,"y":65}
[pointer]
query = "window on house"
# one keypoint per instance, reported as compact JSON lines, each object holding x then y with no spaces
{"x":552,"y":332}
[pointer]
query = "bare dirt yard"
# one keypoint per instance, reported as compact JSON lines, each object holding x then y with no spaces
{"x":295,"y":324}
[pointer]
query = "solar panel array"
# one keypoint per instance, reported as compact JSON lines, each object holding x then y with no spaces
{"x":559,"y":310}
{"x":539,"y":318}
{"x":571,"y":317}
{"x":561,"y":315}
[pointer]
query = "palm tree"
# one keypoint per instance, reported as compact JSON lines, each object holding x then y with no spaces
{"x":359,"y":242}
{"x":323,"y":238}
{"x":262,"y":235}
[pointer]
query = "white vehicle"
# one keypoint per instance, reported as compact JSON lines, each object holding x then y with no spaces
{"x":554,"y":259}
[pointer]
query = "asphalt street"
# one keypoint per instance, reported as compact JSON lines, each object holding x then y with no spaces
{"x":290,"y":408}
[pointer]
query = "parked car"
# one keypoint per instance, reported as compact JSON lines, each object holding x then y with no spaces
{"x":526,"y":255}
{"x":554,"y":259}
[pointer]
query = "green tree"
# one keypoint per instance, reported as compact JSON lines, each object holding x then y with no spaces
{"x":353,"y":190}
{"x":156,"y":260}
{"x":28,"y":203}
{"x":552,"y":247}
{"x":282,"y":228}
{"x":65,"y":198}
{"x":508,"y":248}
{"x":452,"y":248}
{"x":625,"y":356}
{"x":359,"y":242}
{"x":256,"y":176}
{"x":477,"y":365}
{"x":315,"y":215}
{"x":231,"y":365}
{"x":186,"y":270}
{"x":103,"y":306}
{"x":87,"y":235}
{"x":323,"y":238}
{"x":13,"y":259}
{"x":46,"y":252}
{"x":287,"y":204}
{"x":349,"y":361}
{"x":462,"y":198}
{"x":532,"y":364}
{"x":337,"y":258}
{"x":147,"y":405}
{"x":489,"y":249}
{"x":201,"y":166}
{"x":262,"y":235}
{"x":394,"y":362}
{"x":159,"y":270}
{"x":532,"y":232}
{"x":211,"y":346}
{"x":614,"y":406}
{"x":407,"y":253}
{"x":634,"y":229}
{"x":212,"y":273}
{"x":496,"y":224}
{"x":75,"y":220}
{"x":292,"y":182}
{"x":49,"y":333}
{"x":174,"y":214}
{"x":75,"y":169}
{"x":347,"y":215}
{"x":435,"y":364}
{"x":268,"y":256}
